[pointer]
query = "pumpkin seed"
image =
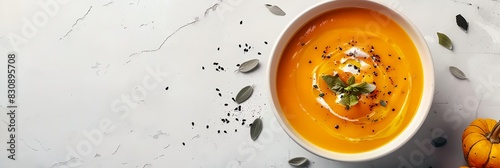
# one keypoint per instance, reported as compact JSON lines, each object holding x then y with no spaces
{"x":256,"y":129}
{"x":298,"y":161}
{"x":244,"y":94}
{"x":439,"y":142}
{"x":457,"y":73}
{"x":275,"y":10}
{"x":383,"y":103}
{"x":445,"y":41}
{"x":462,"y":23}
{"x":249,"y":65}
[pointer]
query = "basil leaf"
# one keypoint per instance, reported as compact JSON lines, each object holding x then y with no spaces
{"x":369,"y":88}
{"x":364,"y":88}
{"x":353,"y":100}
{"x":344,"y":100}
{"x":445,"y":41}
{"x":334,"y":83}
{"x":351,"y":80}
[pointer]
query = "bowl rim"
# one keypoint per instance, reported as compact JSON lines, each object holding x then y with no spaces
{"x":411,"y":128}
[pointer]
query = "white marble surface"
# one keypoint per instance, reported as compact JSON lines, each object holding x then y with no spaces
{"x":92,"y":79}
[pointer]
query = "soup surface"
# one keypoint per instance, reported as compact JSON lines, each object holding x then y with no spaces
{"x":343,"y":43}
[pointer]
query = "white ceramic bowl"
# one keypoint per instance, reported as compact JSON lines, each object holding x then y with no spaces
{"x":427,"y":66}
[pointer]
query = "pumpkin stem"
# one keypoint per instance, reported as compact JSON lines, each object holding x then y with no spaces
{"x":494,"y":135}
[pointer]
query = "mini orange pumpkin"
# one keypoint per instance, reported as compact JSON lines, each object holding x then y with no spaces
{"x":481,"y":143}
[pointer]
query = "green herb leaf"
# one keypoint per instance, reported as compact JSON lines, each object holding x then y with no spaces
{"x":365,"y":88}
{"x":334,"y":83}
{"x":353,"y":100}
{"x":457,"y":73}
{"x":351,"y":80}
{"x":298,"y":161}
{"x":244,"y":94}
{"x":462,"y":23}
{"x":383,"y":103}
{"x":445,"y":41}
{"x":344,"y":99}
{"x":256,"y":129}
{"x":249,"y":65}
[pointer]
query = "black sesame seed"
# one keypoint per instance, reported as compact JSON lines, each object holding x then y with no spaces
{"x":235,"y":130}
{"x":336,"y":126}
{"x":246,"y":45}
{"x":233,"y":99}
{"x":310,"y":61}
{"x":208,"y":126}
{"x":265,"y":42}
{"x":218,"y":48}
{"x":225,"y":131}
{"x":321,"y":94}
{"x":315,"y":86}
{"x":220,"y":94}
{"x":183,"y":144}
{"x":166,"y":88}
{"x":237,"y":65}
{"x":228,"y":114}
{"x":241,"y":22}
{"x":259,"y":53}
{"x":389,"y":92}
{"x":225,"y":104}
{"x":217,"y":89}
{"x":393,"y":109}
{"x":215,"y":63}
{"x":202,"y":67}
{"x":218,"y":131}
{"x":192,"y":123}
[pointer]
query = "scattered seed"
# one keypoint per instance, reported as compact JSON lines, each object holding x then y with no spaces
{"x":439,"y":142}
{"x":241,"y":22}
{"x":298,"y":162}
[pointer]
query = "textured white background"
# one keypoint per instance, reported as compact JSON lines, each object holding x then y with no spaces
{"x":80,"y":61}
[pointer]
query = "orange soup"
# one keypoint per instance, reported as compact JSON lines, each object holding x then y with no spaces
{"x":344,"y":43}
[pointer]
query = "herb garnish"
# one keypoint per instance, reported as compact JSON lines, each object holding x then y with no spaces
{"x":350,"y":92}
